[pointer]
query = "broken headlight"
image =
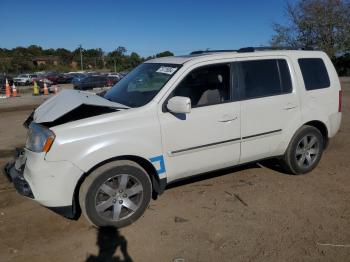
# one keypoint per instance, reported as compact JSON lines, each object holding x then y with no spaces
{"x":39,"y":138}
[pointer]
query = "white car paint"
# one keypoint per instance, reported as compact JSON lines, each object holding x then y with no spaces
{"x":23,"y":79}
{"x":68,"y":100}
{"x":173,"y":145}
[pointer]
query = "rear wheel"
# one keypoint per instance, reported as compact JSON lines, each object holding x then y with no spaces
{"x":304,"y":151}
{"x":115,"y":194}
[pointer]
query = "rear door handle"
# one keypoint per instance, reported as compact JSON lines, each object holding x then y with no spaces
{"x":228,"y":118}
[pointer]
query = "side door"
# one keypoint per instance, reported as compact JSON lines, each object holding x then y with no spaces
{"x":208,"y":137}
{"x":270,"y":107}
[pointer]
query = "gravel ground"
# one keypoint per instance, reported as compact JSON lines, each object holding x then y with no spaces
{"x":250,"y":213}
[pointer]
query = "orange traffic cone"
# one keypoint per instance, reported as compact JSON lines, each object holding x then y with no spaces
{"x":56,"y":89}
{"x":7,"y":89}
{"x":46,"y":90}
{"x":14,"y":90}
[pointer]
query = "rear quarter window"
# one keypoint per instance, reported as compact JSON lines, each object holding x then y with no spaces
{"x":314,"y":73}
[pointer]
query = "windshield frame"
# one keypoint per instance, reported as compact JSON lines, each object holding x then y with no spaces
{"x":178,"y":67}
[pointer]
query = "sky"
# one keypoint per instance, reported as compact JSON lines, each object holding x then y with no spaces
{"x":146,"y":27}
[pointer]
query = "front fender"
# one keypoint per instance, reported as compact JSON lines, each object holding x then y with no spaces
{"x":88,"y":142}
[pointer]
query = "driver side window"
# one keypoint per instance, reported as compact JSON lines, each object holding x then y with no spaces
{"x":207,"y":85}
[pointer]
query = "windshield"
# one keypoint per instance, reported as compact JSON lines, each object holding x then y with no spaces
{"x":142,"y":84}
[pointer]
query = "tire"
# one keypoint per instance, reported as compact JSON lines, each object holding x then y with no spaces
{"x":304,"y":151}
{"x":105,"y":201}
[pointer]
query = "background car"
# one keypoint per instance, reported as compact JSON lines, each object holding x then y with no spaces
{"x":67,"y":78}
{"x":54,"y":77}
{"x":112,"y":80}
{"x":41,"y":82}
{"x":90,"y":82}
{"x":122,"y":74}
{"x":24,"y":79}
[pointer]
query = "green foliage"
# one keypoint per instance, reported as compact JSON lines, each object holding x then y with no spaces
{"x":342,"y":64}
{"x":20,"y":59}
{"x":164,"y":54}
{"x":318,"y":24}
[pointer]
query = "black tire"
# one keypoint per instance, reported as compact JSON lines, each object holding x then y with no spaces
{"x":90,"y":194}
{"x":300,"y":157}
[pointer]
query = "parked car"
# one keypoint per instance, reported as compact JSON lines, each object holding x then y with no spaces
{"x":24,"y":79}
{"x":122,"y":74}
{"x":112,"y":80}
{"x":172,"y":118}
{"x":89,"y":82}
{"x":55,"y":78}
{"x":67,"y":78}
{"x":49,"y":85}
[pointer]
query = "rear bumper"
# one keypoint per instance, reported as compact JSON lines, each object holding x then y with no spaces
{"x":334,"y":123}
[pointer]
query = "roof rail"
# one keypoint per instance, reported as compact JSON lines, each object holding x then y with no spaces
{"x":210,"y":51}
{"x":251,"y":49}
{"x":267,"y":48}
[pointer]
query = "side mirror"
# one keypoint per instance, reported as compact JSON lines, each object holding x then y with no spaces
{"x":179,"y":105}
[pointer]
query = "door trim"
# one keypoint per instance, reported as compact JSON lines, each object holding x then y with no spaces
{"x":269,"y":133}
{"x":202,"y":147}
{"x":222,"y":143}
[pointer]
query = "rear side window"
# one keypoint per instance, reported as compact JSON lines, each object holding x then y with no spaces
{"x":260,"y":78}
{"x":314,"y":72}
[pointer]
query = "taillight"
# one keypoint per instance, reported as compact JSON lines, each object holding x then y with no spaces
{"x":340,"y":101}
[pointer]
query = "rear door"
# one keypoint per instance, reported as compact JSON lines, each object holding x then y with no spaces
{"x":270,"y":108}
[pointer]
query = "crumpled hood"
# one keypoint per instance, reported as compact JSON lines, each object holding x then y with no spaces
{"x":67,"y":101}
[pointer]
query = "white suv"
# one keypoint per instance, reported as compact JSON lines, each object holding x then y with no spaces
{"x":24,"y":79}
{"x":175,"y":117}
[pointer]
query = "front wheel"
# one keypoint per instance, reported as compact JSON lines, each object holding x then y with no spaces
{"x":304,"y":151}
{"x":115,"y":194}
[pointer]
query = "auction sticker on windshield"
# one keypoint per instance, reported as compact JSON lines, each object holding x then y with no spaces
{"x":166,"y":70}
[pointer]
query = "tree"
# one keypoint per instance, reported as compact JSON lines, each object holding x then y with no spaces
{"x":20,"y":59}
{"x":134,"y":60}
{"x":320,"y":24}
{"x":165,"y":53}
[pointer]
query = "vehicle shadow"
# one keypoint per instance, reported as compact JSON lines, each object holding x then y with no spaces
{"x":272,"y":164}
{"x":108,"y":241}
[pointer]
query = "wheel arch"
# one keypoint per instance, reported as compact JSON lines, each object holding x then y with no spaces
{"x":158,"y":185}
{"x":322,"y":128}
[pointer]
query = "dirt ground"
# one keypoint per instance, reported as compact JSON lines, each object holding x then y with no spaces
{"x":251,"y":213}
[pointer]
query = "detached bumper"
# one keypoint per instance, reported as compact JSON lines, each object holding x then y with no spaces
{"x":51,"y":184}
{"x":15,"y":176}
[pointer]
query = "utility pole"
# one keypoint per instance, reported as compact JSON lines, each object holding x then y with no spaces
{"x":115,"y":65}
{"x":81,"y":58}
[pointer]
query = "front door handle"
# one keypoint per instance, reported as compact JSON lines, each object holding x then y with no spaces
{"x":228,"y":118}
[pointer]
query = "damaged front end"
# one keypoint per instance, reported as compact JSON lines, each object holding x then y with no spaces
{"x":30,"y":168}
{"x":14,"y":172}
{"x":71,"y":105}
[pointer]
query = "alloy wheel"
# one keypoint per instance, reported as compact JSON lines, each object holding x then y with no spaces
{"x":119,"y":197}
